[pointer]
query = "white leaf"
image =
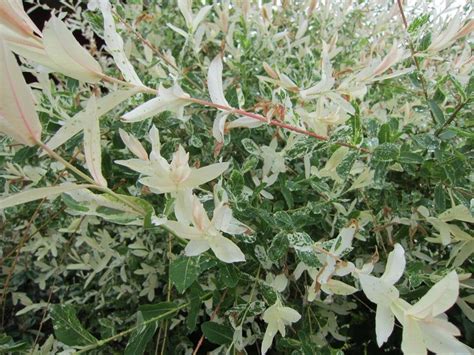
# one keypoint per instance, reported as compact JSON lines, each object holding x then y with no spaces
{"x":92,"y":148}
{"x":377,"y":291}
{"x":115,"y":44}
{"x":169,"y":99}
{"x":226,"y":250}
{"x":441,"y":297}
{"x":202,"y":175}
{"x":384,"y":323}
{"x":36,"y":194}
{"x":438,"y":340}
{"x":77,"y":123}
{"x":202,"y":13}
{"x":214,"y":82}
{"x":412,"y":342}
{"x":178,"y":30}
{"x":395,"y":265}
{"x":67,"y":55}
{"x":219,"y":126}
{"x":245,"y":121}
{"x":18,"y":117}
{"x":196,"y":247}
{"x":186,"y":10}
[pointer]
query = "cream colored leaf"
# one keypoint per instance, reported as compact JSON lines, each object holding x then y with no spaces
{"x":365,"y":179}
{"x":76,"y":123}
{"x":438,"y":299}
{"x":395,"y":265}
{"x":115,"y":44}
{"x":18,"y":117}
{"x":39,"y":193}
{"x":133,"y":144}
{"x":384,"y":323}
{"x":214,"y":82}
{"x":459,"y":212}
{"x":338,"y":287}
{"x":377,"y":291}
{"x":92,"y":148}
{"x":169,"y":99}
{"x":412,"y":342}
{"x":67,"y":55}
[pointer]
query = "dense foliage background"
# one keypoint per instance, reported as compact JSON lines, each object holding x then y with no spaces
{"x":399,"y":99}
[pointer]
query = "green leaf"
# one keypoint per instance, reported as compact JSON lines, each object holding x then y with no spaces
{"x":184,"y":271}
{"x":236,"y":182}
{"x":386,"y":152}
{"x":278,"y":247}
{"x":217,"y":333}
{"x":384,"y":133}
{"x":250,"y":146}
{"x":439,"y":198}
{"x":194,"y":306}
{"x":410,"y":158}
{"x":150,"y":311}
{"x":140,"y":337}
{"x":437,"y":113}
{"x":302,"y":243}
{"x":418,"y":22}
{"x":228,"y":275}
{"x":144,"y":333}
{"x":283,"y":220}
{"x":67,"y":327}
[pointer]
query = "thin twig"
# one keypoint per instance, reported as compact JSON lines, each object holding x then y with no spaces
{"x":451,"y":118}
{"x":415,"y":60}
{"x":213,"y":315}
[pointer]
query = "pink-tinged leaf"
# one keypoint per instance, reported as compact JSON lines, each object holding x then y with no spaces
{"x":393,"y":56}
{"x":13,"y":15}
{"x":18,"y":117}
{"x":92,"y":148}
{"x":67,"y":55}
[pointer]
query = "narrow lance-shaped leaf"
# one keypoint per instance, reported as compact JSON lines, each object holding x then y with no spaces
{"x":18,"y":117}
{"x":13,"y":15}
{"x":115,"y":44}
{"x":92,"y":149}
{"x":67,"y":55}
{"x":214,"y":82}
{"x":77,"y":123}
{"x":67,"y":327}
{"x":169,"y":99}
{"x":39,"y":193}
